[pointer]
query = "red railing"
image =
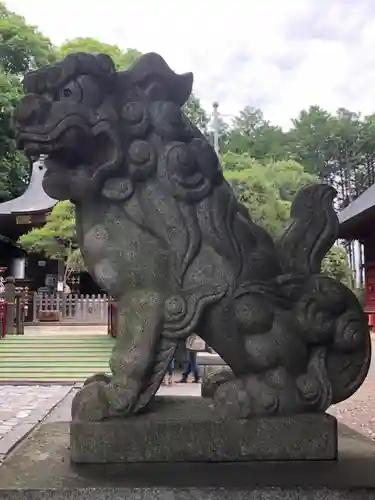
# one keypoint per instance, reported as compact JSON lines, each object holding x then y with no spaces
{"x":3,"y":317}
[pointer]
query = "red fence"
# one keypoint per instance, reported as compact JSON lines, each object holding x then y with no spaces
{"x":3,"y":317}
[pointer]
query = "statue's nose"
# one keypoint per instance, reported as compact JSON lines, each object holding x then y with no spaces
{"x":31,"y":110}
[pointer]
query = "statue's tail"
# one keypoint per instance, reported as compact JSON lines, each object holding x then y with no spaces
{"x":328,"y":313}
{"x":330,"y":316}
{"x":312,"y":232}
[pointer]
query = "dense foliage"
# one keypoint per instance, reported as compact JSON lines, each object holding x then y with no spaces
{"x":57,"y":238}
{"x":22,"y":48}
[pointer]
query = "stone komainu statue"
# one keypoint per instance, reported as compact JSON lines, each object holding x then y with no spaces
{"x":161,"y":230}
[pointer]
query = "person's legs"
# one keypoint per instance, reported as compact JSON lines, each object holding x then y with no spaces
{"x":170,"y":372}
{"x":188,"y":367}
{"x":171,"y":367}
{"x":194,"y":366}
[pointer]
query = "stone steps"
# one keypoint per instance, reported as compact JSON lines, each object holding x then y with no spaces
{"x":47,"y":358}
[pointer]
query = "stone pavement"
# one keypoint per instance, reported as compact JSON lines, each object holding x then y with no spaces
{"x":22,"y":407}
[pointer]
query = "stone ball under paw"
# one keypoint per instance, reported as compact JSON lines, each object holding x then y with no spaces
{"x":214,"y":380}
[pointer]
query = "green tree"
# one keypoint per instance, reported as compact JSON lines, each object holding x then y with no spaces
{"x":194,"y":110}
{"x":57,"y":238}
{"x":254,"y":189}
{"x":311,"y":141}
{"x":336,"y":265}
{"x":121,"y":58}
{"x":251,"y":133}
{"x":13,"y":164}
{"x":338,"y":148}
{"x":267,"y":190}
{"x":22,"y":48}
{"x":288,"y":177}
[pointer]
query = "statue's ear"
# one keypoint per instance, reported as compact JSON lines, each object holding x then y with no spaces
{"x":152,"y":73}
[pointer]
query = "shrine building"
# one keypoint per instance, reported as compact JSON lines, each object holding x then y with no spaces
{"x":21,"y":215}
{"x":357,"y":222}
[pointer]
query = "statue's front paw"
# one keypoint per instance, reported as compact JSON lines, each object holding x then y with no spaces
{"x":98,"y":377}
{"x":91,"y":403}
{"x":214,"y":379}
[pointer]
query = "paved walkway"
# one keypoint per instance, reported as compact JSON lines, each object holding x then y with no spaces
{"x":22,"y":407}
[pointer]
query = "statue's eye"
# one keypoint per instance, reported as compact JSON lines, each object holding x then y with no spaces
{"x":72,"y":92}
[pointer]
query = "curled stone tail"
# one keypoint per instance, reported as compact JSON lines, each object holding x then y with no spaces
{"x":312,"y":232}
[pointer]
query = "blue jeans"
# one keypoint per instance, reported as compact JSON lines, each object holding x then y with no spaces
{"x":191,"y":366}
{"x":171,"y":367}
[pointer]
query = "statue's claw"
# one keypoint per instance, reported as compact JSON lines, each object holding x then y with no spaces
{"x":245,"y":397}
{"x":91,"y":403}
{"x":98,"y":377}
{"x":212,"y":381}
{"x":101,"y":398}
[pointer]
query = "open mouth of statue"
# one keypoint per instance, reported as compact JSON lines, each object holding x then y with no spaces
{"x":69,"y":149}
{"x":70,"y":144}
{"x":67,"y":139}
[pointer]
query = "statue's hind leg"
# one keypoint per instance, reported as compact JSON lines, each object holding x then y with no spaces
{"x":258,"y":343}
{"x":140,"y":322}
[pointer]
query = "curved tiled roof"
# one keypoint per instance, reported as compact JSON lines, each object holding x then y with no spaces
{"x":34,"y":199}
{"x":364,"y":202}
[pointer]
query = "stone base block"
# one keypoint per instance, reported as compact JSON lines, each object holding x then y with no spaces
{"x":191,"y":430}
{"x":40,"y":469}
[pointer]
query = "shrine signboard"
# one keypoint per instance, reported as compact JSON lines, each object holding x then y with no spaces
{"x":30,"y":219}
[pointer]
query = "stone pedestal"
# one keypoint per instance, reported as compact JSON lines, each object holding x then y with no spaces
{"x":191,"y":430}
{"x":40,"y":469}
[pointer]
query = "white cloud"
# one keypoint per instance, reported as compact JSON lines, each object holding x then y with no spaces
{"x":280,"y":55}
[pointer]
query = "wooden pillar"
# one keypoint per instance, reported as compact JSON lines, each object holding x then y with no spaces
{"x":10,"y":297}
{"x":19,"y":312}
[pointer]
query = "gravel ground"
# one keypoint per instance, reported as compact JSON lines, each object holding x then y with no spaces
{"x":358,"y":412}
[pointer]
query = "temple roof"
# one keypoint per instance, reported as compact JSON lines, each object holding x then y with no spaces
{"x":357,"y":220}
{"x":34,"y":199}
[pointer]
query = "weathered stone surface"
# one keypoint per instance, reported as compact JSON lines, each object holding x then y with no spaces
{"x":162,"y":231}
{"x":190,"y":430}
{"x":191,"y":494}
{"x":40,"y":468}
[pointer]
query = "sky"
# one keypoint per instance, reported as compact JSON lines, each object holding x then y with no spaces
{"x":277,"y":55}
